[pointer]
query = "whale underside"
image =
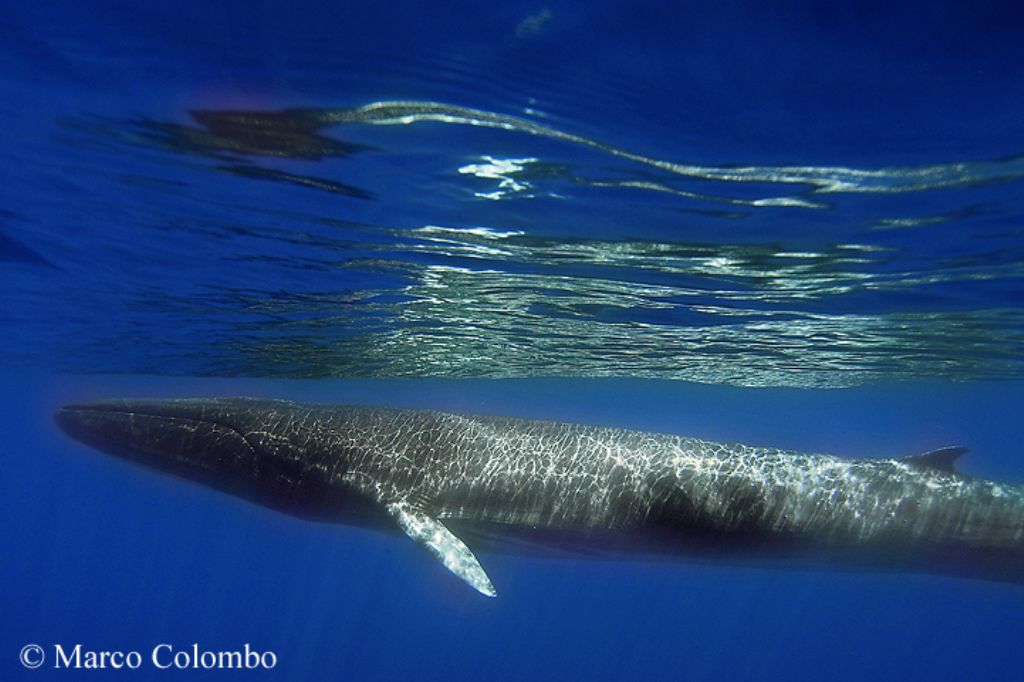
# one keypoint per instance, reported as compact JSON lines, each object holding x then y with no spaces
{"x":457,"y":483}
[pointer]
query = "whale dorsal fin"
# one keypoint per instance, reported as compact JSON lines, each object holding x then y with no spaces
{"x":442,"y":543}
{"x":941,"y":459}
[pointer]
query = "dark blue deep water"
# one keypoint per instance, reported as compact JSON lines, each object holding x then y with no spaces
{"x":794,"y":224}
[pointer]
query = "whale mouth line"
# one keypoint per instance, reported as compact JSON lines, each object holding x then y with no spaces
{"x":131,"y":412}
{"x":128,"y":409}
{"x":134,"y":410}
{"x":106,"y":407}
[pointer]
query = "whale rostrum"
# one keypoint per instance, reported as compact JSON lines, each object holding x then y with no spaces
{"x":453,"y":482}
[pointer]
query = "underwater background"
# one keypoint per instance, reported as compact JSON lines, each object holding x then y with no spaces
{"x":786,"y":224}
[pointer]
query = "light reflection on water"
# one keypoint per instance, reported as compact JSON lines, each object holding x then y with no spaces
{"x":256,"y":279}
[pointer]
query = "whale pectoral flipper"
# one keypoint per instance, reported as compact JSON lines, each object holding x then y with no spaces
{"x":439,"y":541}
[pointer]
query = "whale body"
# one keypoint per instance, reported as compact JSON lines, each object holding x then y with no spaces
{"x":455,"y":481}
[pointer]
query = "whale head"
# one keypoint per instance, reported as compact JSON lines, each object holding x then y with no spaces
{"x":239,"y":445}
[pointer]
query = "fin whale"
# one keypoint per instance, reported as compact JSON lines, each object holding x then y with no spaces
{"x":452,"y":481}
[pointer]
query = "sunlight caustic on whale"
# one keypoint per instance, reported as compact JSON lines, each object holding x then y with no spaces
{"x":452,"y":482}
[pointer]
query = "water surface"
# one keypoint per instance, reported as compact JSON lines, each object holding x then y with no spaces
{"x":794,"y":226}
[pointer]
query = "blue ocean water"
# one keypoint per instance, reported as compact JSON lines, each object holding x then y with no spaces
{"x":795,"y":225}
